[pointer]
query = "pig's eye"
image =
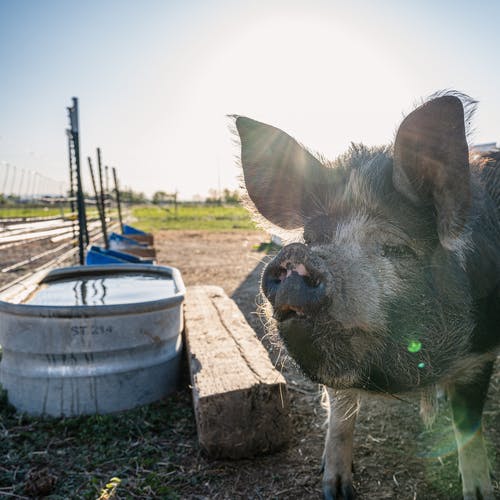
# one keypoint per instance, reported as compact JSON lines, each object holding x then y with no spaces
{"x":397,"y":251}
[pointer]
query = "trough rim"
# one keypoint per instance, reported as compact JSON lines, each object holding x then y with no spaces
{"x":48,"y":311}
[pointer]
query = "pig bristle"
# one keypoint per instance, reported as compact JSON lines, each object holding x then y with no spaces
{"x":404,"y":239}
{"x":362,"y":194}
{"x":469,"y":104}
{"x":429,"y":405}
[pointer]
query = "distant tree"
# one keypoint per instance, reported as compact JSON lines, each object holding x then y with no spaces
{"x":231,"y":197}
{"x":160,"y":197}
{"x":130,"y":196}
{"x":213,"y":196}
{"x":12,"y":198}
{"x":227,"y":196}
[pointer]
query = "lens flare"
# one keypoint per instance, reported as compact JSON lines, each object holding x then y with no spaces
{"x":414,"y":346}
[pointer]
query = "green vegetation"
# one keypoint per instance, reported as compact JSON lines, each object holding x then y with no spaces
{"x":196,"y":216}
{"x":21,"y":212}
{"x":134,"y":454}
{"x":15,"y":211}
{"x":192,"y":216}
{"x":226,"y":196}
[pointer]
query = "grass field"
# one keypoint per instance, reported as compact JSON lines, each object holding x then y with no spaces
{"x":152,"y":217}
{"x":21,"y":212}
{"x":212,"y":217}
{"x":75,"y":458}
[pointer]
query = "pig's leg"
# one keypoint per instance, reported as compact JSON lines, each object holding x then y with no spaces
{"x":467,"y":402}
{"x":337,"y":457}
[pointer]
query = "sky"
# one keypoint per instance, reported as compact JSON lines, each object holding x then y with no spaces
{"x":156,"y":79}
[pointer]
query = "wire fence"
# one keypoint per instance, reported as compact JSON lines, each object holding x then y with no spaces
{"x":23,"y":184}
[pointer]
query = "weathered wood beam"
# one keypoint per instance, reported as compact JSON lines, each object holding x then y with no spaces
{"x":240,"y":399}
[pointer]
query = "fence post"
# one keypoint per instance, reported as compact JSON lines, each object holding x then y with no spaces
{"x":98,"y":203}
{"x":117,"y":193}
{"x":83,"y":236}
{"x":103,"y":201}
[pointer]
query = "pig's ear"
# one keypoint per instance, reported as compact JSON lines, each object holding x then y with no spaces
{"x":282,"y":178}
{"x":431,"y":163}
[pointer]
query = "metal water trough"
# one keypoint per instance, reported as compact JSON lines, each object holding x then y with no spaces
{"x":109,"y":355}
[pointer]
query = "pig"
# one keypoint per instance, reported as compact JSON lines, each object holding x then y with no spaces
{"x":391,"y":281}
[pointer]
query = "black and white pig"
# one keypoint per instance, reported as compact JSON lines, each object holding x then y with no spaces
{"x":393,"y":284}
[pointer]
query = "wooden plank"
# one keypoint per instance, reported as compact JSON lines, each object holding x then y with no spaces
{"x":240,"y":399}
{"x":142,"y":238}
{"x":146,"y":252}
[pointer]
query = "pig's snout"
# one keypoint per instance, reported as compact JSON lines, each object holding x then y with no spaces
{"x":292,"y":284}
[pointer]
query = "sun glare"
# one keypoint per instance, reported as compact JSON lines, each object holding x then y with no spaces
{"x":315,"y":77}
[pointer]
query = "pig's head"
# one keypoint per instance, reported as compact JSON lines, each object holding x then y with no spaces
{"x":375,"y":294}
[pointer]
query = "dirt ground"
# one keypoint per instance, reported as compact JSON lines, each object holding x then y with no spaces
{"x":394,"y":456}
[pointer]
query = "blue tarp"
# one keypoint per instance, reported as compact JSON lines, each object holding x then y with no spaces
{"x":119,"y":241}
{"x":97,"y":255}
{"x":131,"y":230}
